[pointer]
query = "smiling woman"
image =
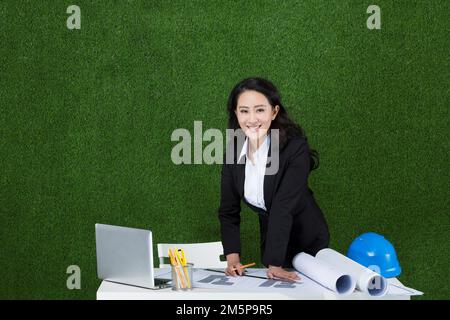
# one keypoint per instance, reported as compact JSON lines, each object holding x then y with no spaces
{"x":255,"y":116}
{"x":290,"y":219}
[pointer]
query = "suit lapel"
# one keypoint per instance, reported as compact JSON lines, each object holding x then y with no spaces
{"x":269,"y":184}
{"x":240,"y":177}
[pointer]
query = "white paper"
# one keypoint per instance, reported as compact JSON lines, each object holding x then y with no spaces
{"x":328,"y":270}
{"x":400,"y":290}
{"x":366,"y":280}
{"x":218,"y":280}
{"x":330,"y":277}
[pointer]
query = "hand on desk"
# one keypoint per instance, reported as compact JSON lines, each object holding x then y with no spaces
{"x":234,"y":268}
{"x":280,"y":274}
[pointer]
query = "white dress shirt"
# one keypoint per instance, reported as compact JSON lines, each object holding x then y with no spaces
{"x":254,"y":173}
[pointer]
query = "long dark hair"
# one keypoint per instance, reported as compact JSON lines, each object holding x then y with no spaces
{"x":287,"y":128}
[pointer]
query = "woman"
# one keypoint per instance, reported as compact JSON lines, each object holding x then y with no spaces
{"x":290,"y":219}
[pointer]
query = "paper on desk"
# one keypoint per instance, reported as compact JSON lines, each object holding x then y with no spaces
{"x":218,"y":280}
{"x":308,"y":284}
{"x":401,"y":290}
{"x":366,"y":280}
{"x":329,"y":276}
{"x":263,"y":272}
{"x":395,"y":287}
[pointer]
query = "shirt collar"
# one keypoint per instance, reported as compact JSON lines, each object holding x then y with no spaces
{"x":263,"y":148}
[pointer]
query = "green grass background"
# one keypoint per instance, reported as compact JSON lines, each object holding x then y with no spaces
{"x":87,"y":116}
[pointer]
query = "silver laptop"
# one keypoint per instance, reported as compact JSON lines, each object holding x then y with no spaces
{"x":125,"y":255}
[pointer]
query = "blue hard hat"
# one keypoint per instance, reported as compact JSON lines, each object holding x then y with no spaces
{"x":375,"y":252}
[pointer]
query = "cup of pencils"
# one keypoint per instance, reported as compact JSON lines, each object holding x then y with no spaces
{"x":181,"y":270}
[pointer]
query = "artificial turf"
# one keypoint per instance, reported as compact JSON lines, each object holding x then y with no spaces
{"x":87,"y":118}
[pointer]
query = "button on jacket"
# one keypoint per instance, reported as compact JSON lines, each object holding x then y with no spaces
{"x":292,"y":221}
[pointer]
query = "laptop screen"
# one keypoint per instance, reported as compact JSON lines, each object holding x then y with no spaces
{"x":125,"y":255}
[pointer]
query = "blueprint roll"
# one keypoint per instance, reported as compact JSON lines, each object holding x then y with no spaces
{"x":329,"y":277}
{"x":366,"y":280}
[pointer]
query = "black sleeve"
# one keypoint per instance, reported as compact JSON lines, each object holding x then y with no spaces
{"x":285,"y":204}
{"x":229,"y":212}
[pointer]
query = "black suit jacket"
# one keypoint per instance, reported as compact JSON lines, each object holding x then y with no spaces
{"x":293,"y":221}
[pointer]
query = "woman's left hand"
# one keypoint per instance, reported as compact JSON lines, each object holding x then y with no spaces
{"x":281,"y":274}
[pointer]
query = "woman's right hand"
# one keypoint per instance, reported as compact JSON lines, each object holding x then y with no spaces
{"x":233,"y":265}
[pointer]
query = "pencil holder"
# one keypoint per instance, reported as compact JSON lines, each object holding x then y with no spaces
{"x":182,"y":277}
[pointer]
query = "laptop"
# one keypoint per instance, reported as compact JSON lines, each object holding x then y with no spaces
{"x":125,"y":255}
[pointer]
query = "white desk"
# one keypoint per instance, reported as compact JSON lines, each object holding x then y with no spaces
{"x":115,"y":291}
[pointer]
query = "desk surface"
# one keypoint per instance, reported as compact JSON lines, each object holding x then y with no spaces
{"x":115,"y":291}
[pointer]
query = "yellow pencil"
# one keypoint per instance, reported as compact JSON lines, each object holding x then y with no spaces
{"x":245,"y":266}
{"x":182,"y":258}
{"x":172,"y":261}
{"x":176,"y":265}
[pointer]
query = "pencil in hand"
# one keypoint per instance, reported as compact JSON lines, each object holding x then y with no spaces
{"x":245,"y":266}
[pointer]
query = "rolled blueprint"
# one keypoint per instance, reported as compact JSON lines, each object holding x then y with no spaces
{"x":366,"y":280}
{"x":328,"y":276}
